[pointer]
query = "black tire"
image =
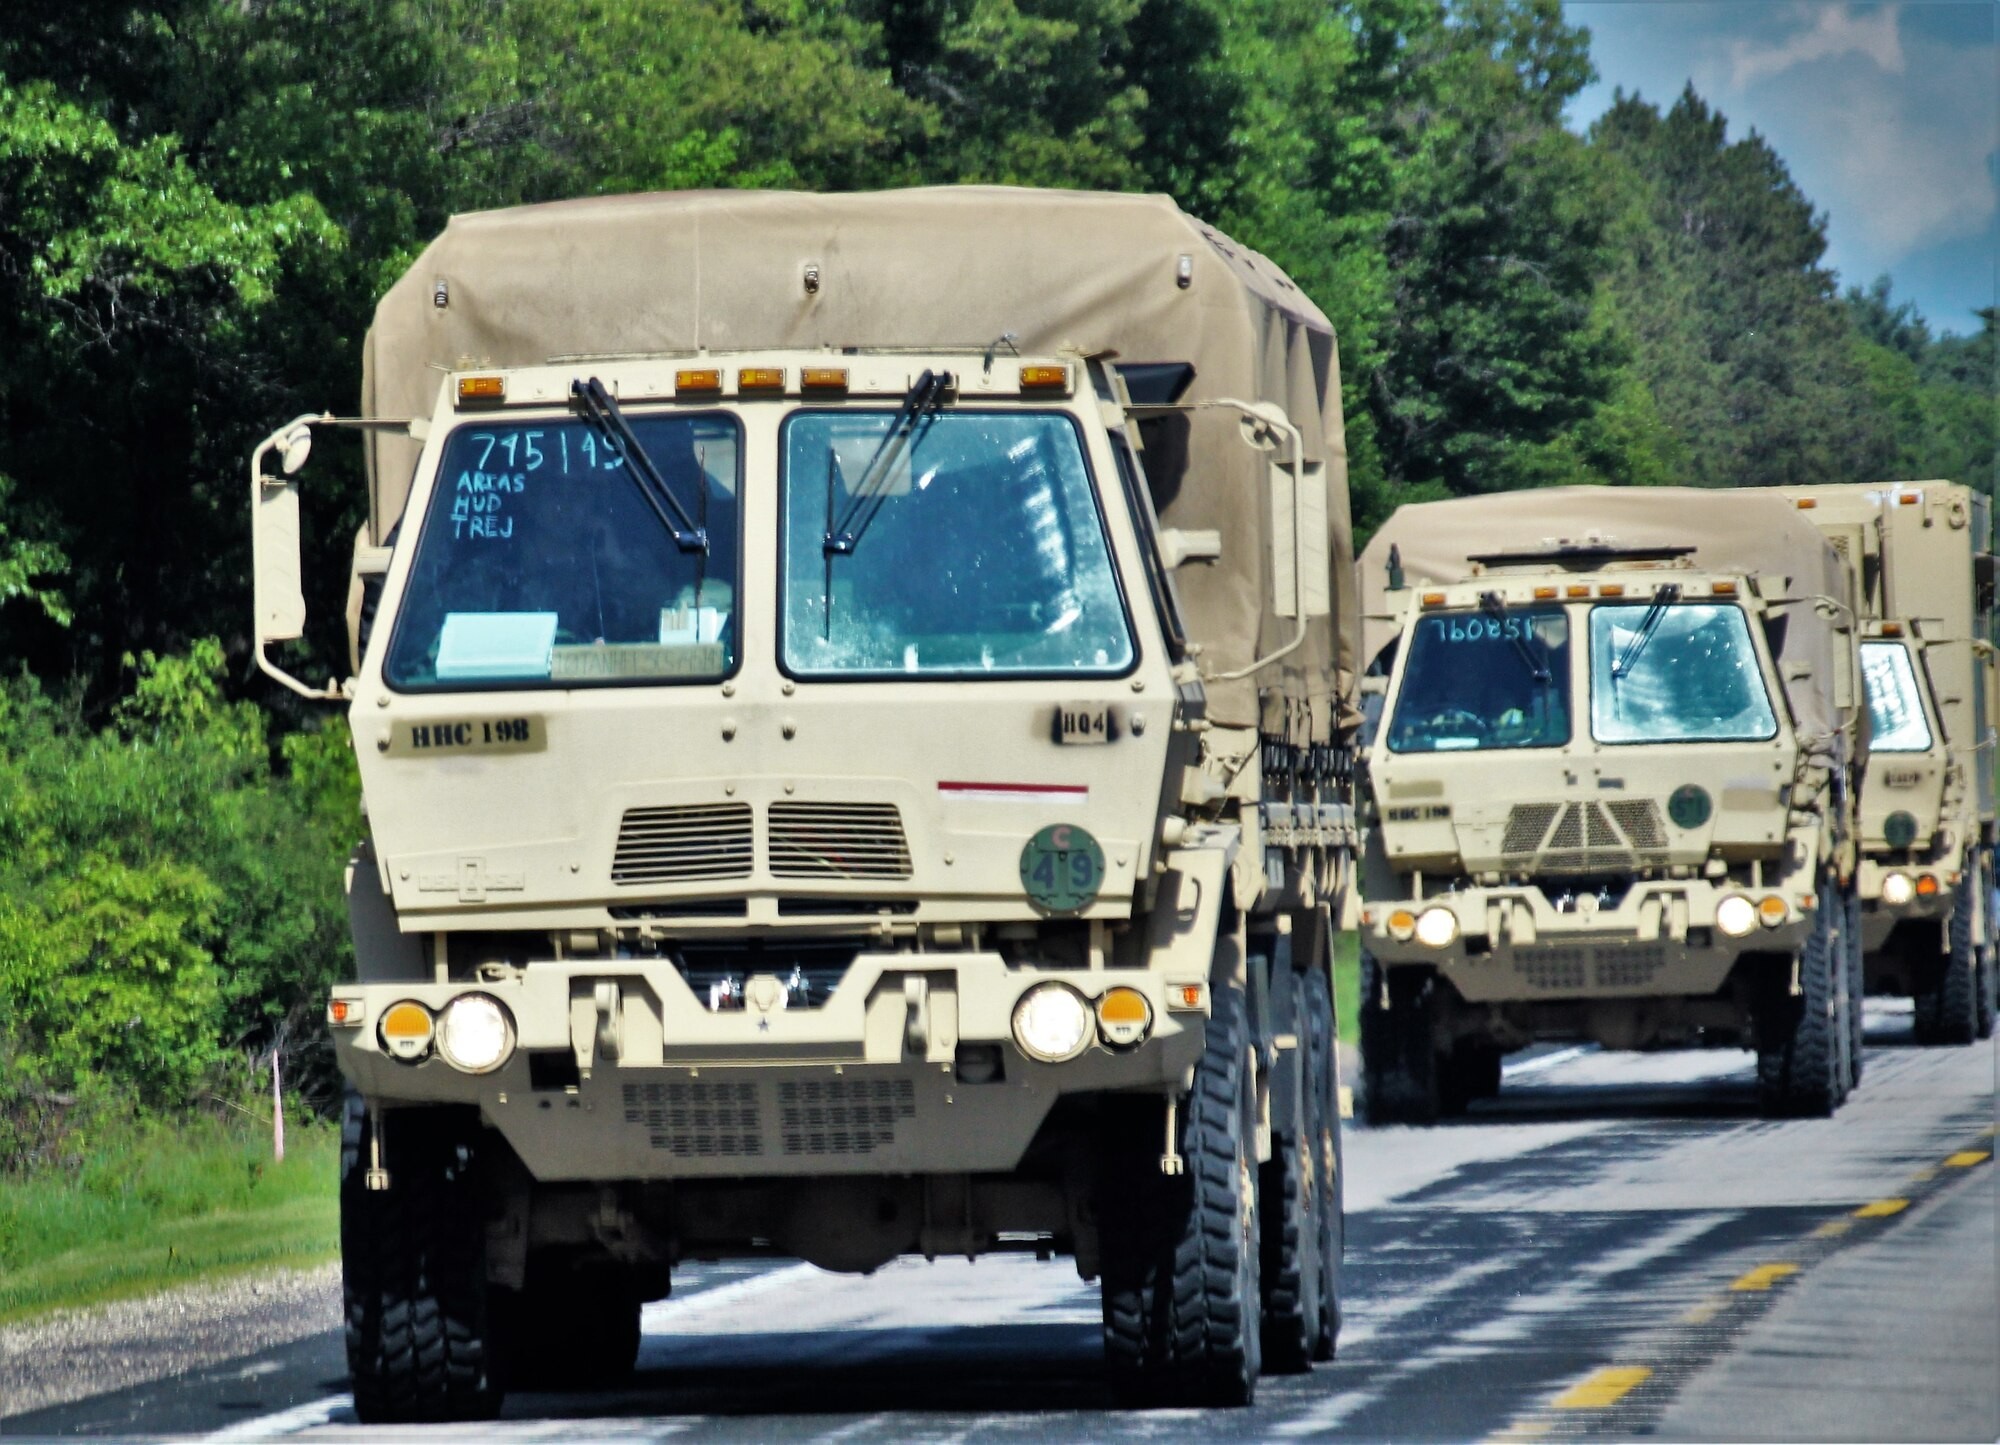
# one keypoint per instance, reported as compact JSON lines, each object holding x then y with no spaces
{"x":1288,"y":1196}
{"x":1180,"y":1254}
{"x":1322,"y":1031}
{"x":1470,"y":1071}
{"x":1798,"y":1043}
{"x":1857,"y":984}
{"x":413,"y":1273}
{"x":1399,"y":1062}
{"x":1947,"y":1004}
{"x":568,"y":1329}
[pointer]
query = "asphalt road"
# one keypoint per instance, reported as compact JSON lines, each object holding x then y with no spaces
{"x":1616,"y":1246}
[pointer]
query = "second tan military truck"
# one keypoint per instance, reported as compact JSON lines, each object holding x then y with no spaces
{"x":1921,"y":558}
{"x":1610,"y":792}
{"x":850,"y":698}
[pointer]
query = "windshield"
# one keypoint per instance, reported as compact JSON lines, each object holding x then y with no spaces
{"x":1485,"y":681}
{"x":1695,"y":680}
{"x":980,"y":550}
{"x":541,"y":564}
{"x":1895,"y":707}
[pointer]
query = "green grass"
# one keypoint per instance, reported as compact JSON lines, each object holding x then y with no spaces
{"x":1347,"y":986}
{"x":160,"y":1204}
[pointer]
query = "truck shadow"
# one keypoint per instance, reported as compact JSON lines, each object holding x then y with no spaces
{"x":1038,"y":1368}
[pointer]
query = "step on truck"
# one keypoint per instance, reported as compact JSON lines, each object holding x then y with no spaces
{"x":851,"y":695}
{"x":1608,"y":793}
{"x":1921,"y":559}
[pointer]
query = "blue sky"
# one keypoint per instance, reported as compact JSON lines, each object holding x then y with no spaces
{"x":1888,"y":116}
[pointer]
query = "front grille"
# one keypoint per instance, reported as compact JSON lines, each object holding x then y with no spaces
{"x":838,"y":840}
{"x":698,"y":1120}
{"x":1584,"y":840}
{"x":690,"y":842}
{"x":1567,"y":966}
{"x":843,"y":1116}
{"x":1527,"y":825}
{"x":1554,"y":967}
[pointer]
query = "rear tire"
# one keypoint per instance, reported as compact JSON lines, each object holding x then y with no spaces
{"x":413,"y":1272}
{"x":1324,"y":1049}
{"x":1857,"y":983}
{"x":1798,"y":1039}
{"x":1180,"y":1254}
{"x":1399,"y":1062}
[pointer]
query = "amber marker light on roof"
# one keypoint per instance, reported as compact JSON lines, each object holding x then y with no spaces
{"x":1909,"y":499}
{"x":1433,"y":599}
{"x":1578,"y":590}
{"x":1892,"y":629}
{"x":1044,"y":378}
{"x":1611,"y":589}
{"x":475,"y":389}
{"x":1724,"y":589}
{"x":705,"y":378}
{"x":760,"y":378}
{"x":1806,"y":504}
{"x":1542,"y":593}
{"x":823,"y":378}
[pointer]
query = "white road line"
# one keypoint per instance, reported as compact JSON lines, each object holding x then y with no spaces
{"x":286,"y":1422}
{"x":665,"y":1313}
{"x":1544,"y":1061}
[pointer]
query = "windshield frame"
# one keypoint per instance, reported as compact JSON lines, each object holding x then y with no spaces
{"x":424,"y":493}
{"x":779,"y":600}
{"x":1917,"y":689}
{"x":1406,"y":651}
{"x":1775,"y":699}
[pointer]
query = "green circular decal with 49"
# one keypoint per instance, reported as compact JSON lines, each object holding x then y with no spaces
{"x":1062,"y":868}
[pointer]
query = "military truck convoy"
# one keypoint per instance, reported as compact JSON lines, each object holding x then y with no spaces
{"x":850,"y":695}
{"x":1920,"y":560}
{"x":1611,"y":790}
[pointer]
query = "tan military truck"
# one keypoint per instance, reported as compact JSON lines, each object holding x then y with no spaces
{"x":1921,"y":559}
{"x":1609,"y":792}
{"x":849,"y":696}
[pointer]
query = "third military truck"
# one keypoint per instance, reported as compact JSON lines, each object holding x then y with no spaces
{"x":851,"y":697}
{"x":1921,"y":558}
{"x":1610,"y":790}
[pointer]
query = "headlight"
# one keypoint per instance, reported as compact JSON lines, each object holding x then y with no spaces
{"x":406,"y":1031}
{"x":1736,"y":915}
{"x":1437,"y":927}
{"x":1899,"y":829}
{"x":1898,"y":889}
{"x":1052,"y":1023}
{"x":1124,"y":1018}
{"x":475,"y":1035}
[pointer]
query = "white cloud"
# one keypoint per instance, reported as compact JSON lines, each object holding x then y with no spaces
{"x":1834,"y":32}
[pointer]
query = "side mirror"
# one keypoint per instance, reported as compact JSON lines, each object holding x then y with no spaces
{"x":298,"y":446}
{"x":280,"y":593}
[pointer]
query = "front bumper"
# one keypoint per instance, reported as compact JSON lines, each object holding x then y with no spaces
{"x":1879,"y":917}
{"x":1660,"y":940}
{"x":865,"y":1083}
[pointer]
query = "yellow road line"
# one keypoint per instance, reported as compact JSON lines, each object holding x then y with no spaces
{"x":1702,"y":1313}
{"x":1602,"y":1387}
{"x":1523,"y":1430}
{"x":1764,"y":1276}
{"x":1924,"y":1175}
{"x":1881,"y":1208}
{"x":1833,"y":1229}
{"x":1966,"y":1158}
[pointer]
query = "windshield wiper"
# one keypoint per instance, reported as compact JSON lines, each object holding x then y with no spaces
{"x":871,"y":488}
{"x":601,"y":411}
{"x":1492,"y":606}
{"x":1664,"y":594}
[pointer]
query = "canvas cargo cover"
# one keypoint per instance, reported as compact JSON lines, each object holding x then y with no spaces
{"x":1749,"y":532}
{"x":947,"y":268}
